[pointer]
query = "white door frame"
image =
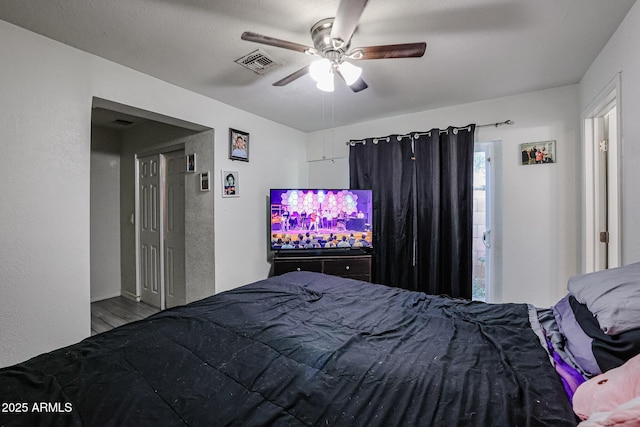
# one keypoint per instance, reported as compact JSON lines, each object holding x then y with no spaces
{"x":593,"y":119}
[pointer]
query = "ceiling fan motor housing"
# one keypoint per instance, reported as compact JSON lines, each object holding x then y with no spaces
{"x":333,"y":50}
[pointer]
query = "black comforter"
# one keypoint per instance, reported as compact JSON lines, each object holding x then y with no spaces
{"x":300,"y":349}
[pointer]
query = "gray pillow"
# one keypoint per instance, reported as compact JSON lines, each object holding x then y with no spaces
{"x":612,"y":296}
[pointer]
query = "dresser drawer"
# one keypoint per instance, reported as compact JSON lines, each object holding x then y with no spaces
{"x":297,"y":265}
{"x":347,"y":267}
{"x":353,"y":267}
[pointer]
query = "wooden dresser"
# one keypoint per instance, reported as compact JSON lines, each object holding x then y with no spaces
{"x":351,"y":266}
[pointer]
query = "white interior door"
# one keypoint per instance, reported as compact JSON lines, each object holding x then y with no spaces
{"x":601,"y":196}
{"x":606,"y":189}
{"x":174,"y":253}
{"x":613,"y":190}
{"x":601,"y":155}
{"x":150,"y":231}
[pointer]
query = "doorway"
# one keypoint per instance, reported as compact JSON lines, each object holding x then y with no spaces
{"x":482,"y":221}
{"x":119,"y":133}
{"x":602,"y":180}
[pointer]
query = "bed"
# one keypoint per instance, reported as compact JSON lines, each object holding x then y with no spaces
{"x":302,"y":349}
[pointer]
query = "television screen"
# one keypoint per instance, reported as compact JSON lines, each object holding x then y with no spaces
{"x":320,"y":219}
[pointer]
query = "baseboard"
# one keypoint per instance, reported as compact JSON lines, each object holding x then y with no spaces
{"x":105,"y":296}
{"x":128,"y":295}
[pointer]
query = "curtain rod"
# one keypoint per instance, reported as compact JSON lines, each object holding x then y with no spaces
{"x":415,"y":134}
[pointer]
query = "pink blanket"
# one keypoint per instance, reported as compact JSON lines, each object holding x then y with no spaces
{"x":612,"y":398}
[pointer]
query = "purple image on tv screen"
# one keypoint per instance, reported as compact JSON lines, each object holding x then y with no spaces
{"x":321,"y":219}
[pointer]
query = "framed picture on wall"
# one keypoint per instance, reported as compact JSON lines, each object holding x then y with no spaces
{"x":204,"y":181}
{"x":230,"y":184}
{"x":191,"y":162}
{"x":538,"y":153}
{"x":238,"y":145}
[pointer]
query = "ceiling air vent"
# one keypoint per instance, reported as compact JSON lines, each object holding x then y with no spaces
{"x":257,"y":61}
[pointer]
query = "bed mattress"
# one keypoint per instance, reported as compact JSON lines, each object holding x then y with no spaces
{"x":302,"y":349}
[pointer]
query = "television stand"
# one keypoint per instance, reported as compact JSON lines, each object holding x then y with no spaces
{"x":353,"y":266}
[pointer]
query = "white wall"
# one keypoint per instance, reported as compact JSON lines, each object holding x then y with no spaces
{"x":105,"y":213}
{"x":622,"y":55}
{"x":46,"y":92}
{"x":540,"y":233}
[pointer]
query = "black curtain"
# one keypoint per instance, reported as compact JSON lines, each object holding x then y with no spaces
{"x":423,"y":208}
{"x":383,"y":166}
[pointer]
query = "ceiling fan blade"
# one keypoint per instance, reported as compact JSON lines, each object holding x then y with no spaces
{"x":293,"y":76}
{"x":357,"y":86}
{"x":259,"y":38}
{"x":406,"y":50}
{"x":347,"y":18}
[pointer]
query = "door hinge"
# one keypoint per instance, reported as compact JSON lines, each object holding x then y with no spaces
{"x":604,"y":237}
{"x":603,"y":145}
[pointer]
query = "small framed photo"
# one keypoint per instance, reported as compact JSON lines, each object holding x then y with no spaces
{"x":191,"y":162}
{"x":204,"y":181}
{"x":230,"y":184}
{"x":538,"y":153}
{"x":238,"y":145}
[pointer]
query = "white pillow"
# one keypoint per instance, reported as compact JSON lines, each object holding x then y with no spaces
{"x":612,"y":296}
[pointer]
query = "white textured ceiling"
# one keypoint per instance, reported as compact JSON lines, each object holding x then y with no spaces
{"x":476,"y":49}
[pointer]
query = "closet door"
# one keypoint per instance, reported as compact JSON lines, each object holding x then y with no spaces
{"x":150,"y":257}
{"x":174,"y":254}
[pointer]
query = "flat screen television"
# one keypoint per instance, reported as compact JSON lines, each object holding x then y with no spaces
{"x":321,"y":220}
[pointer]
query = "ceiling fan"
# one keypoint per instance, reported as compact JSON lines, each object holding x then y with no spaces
{"x":332,"y":41}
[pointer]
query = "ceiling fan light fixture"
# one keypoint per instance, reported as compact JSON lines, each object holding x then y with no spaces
{"x":326,"y":83}
{"x":320,"y":69}
{"x":350,"y":72}
{"x":332,"y":41}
